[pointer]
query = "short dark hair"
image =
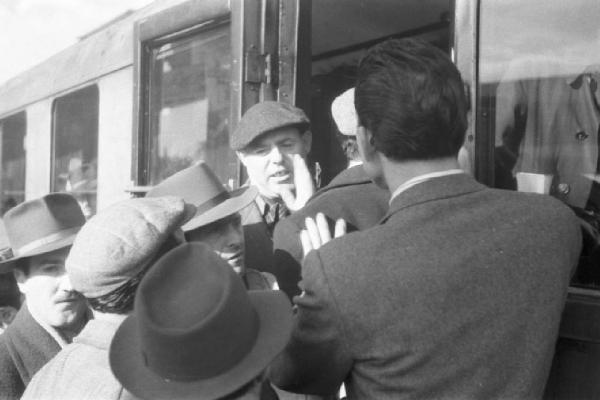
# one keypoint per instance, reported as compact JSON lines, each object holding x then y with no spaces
{"x":411,"y":98}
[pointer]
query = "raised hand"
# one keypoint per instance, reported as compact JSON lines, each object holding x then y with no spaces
{"x":317,"y":232}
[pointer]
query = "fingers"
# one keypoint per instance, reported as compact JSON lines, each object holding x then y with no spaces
{"x":317,"y":232}
{"x":313,"y":233}
{"x":303,"y":182}
{"x":323,"y":226}
{"x":340,"y":228}
{"x":306,"y":244}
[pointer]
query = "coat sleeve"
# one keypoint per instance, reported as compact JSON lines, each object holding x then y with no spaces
{"x":317,"y":359}
{"x":287,"y":256}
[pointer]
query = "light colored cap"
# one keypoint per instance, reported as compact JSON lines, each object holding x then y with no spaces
{"x":344,"y":113}
{"x":118,"y":242}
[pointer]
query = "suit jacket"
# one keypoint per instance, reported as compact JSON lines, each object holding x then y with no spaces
{"x":549,"y":125}
{"x":258,"y":240}
{"x":350,"y":195}
{"x":24,"y":348}
{"x":457,"y":294}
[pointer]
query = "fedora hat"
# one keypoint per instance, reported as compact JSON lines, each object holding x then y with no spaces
{"x":195,"y":331}
{"x":41,"y":226}
{"x":198,"y":185}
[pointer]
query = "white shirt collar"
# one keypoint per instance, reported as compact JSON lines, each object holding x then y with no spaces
{"x":422,"y":178}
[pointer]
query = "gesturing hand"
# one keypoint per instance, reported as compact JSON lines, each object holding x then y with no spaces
{"x":303,"y":183}
{"x":317,"y":232}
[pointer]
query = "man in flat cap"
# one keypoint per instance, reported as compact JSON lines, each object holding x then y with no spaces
{"x":272,"y":140}
{"x":109,"y":257}
{"x":40,"y":233}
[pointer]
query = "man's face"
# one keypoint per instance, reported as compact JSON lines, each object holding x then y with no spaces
{"x":268,"y":159}
{"x":46,"y":293}
{"x":225,"y":237}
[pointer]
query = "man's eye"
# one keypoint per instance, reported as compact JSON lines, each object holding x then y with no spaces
{"x":52,"y":268}
{"x":261,"y":150}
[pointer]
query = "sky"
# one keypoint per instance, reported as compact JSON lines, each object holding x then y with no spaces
{"x":33,"y":30}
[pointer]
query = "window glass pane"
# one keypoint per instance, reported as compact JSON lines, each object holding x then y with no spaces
{"x":190,"y":105}
{"x":75,"y":147}
{"x":539,"y":73}
{"x":12,"y":175}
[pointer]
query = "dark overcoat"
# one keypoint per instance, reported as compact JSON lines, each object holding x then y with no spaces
{"x":25,"y":347}
{"x":258,"y":240}
{"x":457,"y":294}
{"x":350,"y":195}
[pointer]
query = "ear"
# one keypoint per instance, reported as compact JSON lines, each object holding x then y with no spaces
{"x":306,"y":141}
{"x":365,"y":142}
{"x":21,"y":278}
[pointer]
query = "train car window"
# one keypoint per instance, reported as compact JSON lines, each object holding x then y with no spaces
{"x":189,"y":105}
{"x":75,"y":146}
{"x":539,"y":113}
{"x":12,"y":175}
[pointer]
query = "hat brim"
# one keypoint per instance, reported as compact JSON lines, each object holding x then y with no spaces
{"x":127,"y":363}
{"x":240,"y":198}
{"x":10,"y":263}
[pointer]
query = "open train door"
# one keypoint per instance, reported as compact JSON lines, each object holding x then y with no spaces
{"x":327,"y":39}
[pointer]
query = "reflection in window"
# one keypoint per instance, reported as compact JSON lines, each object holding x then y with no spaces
{"x":190,"y":105}
{"x":12,"y":174}
{"x":539,"y":74}
{"x":75,"y":146}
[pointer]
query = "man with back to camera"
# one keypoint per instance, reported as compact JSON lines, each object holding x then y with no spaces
{"x":272,"y":140}
{"x":217,"y":222}
{"x":351,"y":195}
{"x":40,"y":233}
{"x":458,"y":292}
{"x":222,"y":337}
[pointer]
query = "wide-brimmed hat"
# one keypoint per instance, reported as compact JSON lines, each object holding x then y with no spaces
{"x":40,"y":226}
{"x":121,"y":241}
{"x":198,"y":185}
{"x":195,"y":332}
{"x":265,"y":117}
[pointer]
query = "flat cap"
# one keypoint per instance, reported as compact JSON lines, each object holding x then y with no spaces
{"x":117,"y":243}
{"x":265,"y":117}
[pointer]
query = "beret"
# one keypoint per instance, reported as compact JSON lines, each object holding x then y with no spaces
{"x":117,"y":243}
{"x":265,"y":117}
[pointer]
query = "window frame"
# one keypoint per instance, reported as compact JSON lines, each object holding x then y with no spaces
{"x":21,"y":114}
{"x":54,"y":122}
{"x":176,"y":23}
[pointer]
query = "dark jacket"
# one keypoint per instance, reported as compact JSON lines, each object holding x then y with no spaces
{"x":350,"y":195}
{"x":258,"y":240}
{"x":24,"y":348}
{"x":457,"y":294}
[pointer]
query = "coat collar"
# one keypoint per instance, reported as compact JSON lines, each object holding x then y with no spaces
{"x":433,"y":189}
{"x":349,"y":177}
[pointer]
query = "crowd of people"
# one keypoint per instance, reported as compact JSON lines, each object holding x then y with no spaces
{"x":402,"y":278}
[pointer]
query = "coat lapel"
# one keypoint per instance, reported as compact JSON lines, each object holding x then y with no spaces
{"x":434,"y":189}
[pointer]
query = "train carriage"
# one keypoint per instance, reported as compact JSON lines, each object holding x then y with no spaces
{"x":157,"y":89}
